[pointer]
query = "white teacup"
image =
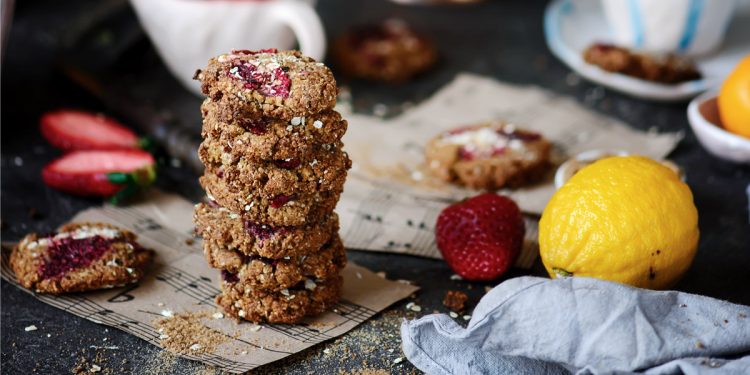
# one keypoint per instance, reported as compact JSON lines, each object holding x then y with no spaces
{"x":691,"y":27}
{"x":187,"y":33}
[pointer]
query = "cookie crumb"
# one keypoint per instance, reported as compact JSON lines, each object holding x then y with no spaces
{"x":455,"y":300}
{"x":185,"y":333}
{"x":413,"y":307}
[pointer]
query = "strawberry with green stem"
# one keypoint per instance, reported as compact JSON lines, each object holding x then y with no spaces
{"x":104,"y":157}
{"x":106,"y":173}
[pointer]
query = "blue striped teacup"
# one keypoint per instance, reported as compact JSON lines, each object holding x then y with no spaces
{"x":691,"y":27}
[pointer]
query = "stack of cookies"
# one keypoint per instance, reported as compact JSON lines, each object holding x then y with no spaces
{"x":275,"y":169}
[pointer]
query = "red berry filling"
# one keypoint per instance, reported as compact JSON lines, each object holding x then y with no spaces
{"x":367,"y":34}
{"x":522,"y":135}
{"x":249,"y":52}
{"x":67,"y":254}
{"x":229,"y":277}
{"x":262,"y":231}
{"x":465,"y":154}
{"x":604,"y":47}
{"x":273,"y":83}
{"x":281,"y":200}
{"x":287,"y":164}
{"x":468,"y":155}
{"x":455,"y":131}
{"x":256,"y":126}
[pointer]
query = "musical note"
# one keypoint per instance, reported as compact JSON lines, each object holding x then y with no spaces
{"x":123,"y":296}
{"x":146,"y":224}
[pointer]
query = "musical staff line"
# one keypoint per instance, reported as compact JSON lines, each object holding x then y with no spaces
{"x":350,"y":311}
{"x":147,"y":228}
{"x":222,"y":362}
{"x":199,"y":288}
{"x":258,"y":346}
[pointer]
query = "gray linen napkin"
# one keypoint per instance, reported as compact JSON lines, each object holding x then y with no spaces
{"x":531,"y":325}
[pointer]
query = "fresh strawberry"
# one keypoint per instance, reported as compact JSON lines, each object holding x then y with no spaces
{"x":480,"y":237}
{"x":77,"y":130}
{"x":106,"y":173}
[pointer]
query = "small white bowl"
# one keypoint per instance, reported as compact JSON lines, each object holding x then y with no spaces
{"x":577,"y":162}
{"x":703,"y":114}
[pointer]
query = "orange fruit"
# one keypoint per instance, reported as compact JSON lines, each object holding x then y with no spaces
{"x":734,"y":100}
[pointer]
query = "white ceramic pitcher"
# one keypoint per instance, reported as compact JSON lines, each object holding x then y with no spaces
{"x":187,"y":33}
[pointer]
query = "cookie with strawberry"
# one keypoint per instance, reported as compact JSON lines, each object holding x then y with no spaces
{"x":267,"y":274}
{"x":269,"y":83}
{"x":288,"y":306}
{"x":294,"y":209}
{"x":265,"y":138}
{"x":79,"y":257}
{"x":221,"y":226}
{"x":321,"y":171}
{"x":488,"y":156}
{"x":481,"y":237}
{"x":390,"y":51}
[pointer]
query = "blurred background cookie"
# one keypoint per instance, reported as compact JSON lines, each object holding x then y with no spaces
{"x":488,"y":156}
{"x":390,"y":52}
{"x":662,"y":68}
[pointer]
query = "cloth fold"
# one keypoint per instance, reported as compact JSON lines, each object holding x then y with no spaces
{"x":531,"y":325}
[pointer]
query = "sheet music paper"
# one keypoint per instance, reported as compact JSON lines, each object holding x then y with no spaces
{"x":182,"y":282}
{"x":390,"y":203}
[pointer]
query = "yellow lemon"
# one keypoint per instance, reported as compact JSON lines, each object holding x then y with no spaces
{"x":627,"y":219}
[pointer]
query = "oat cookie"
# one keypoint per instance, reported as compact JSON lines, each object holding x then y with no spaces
{"x":668,"y":69}
{"x":286,"y":306}
{"x":219,"y":225}
{"x":324,"y":170}
{"x":296,"y":209}
{"x":488,"y":156}
{"x":79,"y":257}
{"x":273,"y":139}
{"x":270,"y":83}
{"x":276,"y":274}
{"x":390,"y":52}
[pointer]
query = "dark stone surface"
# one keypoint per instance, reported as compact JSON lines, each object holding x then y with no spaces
{"x":499,"y":39}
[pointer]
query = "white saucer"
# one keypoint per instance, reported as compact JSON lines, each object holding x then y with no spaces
{"x":570,"y":26}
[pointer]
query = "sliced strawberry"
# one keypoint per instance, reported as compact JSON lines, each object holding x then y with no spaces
{"x":104,"y":173}
{"x":77,"y":130}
